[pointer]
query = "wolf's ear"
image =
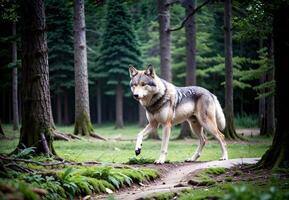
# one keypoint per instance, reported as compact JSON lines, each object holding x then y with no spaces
{"x":132,"y":71}
{"x":150,"y":71}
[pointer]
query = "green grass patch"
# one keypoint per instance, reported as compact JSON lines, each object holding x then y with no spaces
{"x":215,"y":170}
{"x":122,"y":151}
{"x":140,"y":161}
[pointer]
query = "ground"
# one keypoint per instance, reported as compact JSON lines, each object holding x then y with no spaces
{"x":120,"y":149}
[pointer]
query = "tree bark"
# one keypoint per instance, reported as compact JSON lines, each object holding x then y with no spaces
{"x":119,"y":106}
{"x":66,"y":118}
{"x":229,"y":131}
{"x":99,"y":110}
{"x":142,"y":120}
{"x":262,"y":101}
{"x":37,"y":127}
{"x":165,"y":39}
{"x":15,"y":81}
{"x":270,"y":107}
{"x":190,"y":28}
{"x":1,"y":129}
{"x":83,"y":124}
{"x":278,"y":154}
{"x":165,"y":47}
{"x":58,"y":105}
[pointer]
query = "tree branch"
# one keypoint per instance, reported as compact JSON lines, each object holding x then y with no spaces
{"x":190,"y":15}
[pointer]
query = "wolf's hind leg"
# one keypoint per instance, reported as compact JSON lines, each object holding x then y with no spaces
{"x":208,"y":121}
{"x":198,"y":130}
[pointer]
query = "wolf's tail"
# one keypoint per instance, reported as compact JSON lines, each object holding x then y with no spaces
{"x":220,"y":117}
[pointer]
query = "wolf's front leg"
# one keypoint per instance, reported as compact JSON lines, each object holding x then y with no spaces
{"x":165,"y":142}
{"x":148,"y":129}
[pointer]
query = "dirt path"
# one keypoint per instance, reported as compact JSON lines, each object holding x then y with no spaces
{"x":174,"y":178}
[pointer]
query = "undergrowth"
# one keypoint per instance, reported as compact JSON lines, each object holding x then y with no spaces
{"x":71,"y":182}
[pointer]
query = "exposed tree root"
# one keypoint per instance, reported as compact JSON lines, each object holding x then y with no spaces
{"x":67,"y":137}
{"x":60,"y":136}
{"x":97,"y":136}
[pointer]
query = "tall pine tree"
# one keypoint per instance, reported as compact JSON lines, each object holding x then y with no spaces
{"x":119,"y":49}
{"x":60,"y":51}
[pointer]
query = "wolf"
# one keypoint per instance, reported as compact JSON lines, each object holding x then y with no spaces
{"x":168,"y":105}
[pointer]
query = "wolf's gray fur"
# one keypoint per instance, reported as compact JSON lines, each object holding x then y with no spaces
{"x":167,"y":104}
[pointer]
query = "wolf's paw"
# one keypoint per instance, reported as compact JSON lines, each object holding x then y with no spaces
{"x":193,"y":158}
{"x":137,"y":151}
{"x":160,"y":161}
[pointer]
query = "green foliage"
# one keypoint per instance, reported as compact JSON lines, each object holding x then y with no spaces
{"x":25,"y":152}
{"x":86,"y":180}
{"x":60,"y":45}
{"x":119,"y":44}
{"x":141,"y":161}
{"x":246,"y":121}
{"x":215,"y":170}
{"x":244,"y":192}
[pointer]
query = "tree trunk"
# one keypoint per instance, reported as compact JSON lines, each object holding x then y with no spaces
{"x":165,"y":47}
{"x":270,"y":107}
{"x":58,"y":105}
{"x":229,"y":131}
{"x":98,"y":93}
{"x":1,"y":129}
{"x":262,"y":101}
{"x":37,"y":127}
{"x":66,"y":118}
{"x":83,"y":124}
{"x":165,"y":39}
{"x":142,"y":120}
{"x":119,"y":106}
{"x":190,"y":28}
{"x":15,"y":81}
{"x":278,"y":154}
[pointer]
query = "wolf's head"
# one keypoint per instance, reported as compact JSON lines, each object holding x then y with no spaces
{"x":143,"y":84}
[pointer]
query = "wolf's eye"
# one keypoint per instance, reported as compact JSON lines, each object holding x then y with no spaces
{"x":142,"y":84}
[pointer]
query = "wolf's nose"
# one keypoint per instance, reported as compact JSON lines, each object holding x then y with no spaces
{"x":135,"y":96}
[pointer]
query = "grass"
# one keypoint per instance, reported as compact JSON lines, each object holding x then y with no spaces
{"x":90,"y":149}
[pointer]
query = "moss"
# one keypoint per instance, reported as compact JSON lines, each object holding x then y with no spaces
{"x":215,"y":170}
{"x":162,"y":196}
{"x":140,"y":161}
{"x":228,"y":179}
{"x":83,"y":125}
{"x":237,"y":173}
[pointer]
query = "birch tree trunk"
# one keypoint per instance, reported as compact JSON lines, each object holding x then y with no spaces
{"x":190,"y":28}
{"x":15,"y":81}
{"x":37,"y":127}
{"x":229,"y":131}
{"x":83,"y":124}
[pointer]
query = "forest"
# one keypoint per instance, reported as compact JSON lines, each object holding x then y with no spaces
{"x":70,"y":124}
